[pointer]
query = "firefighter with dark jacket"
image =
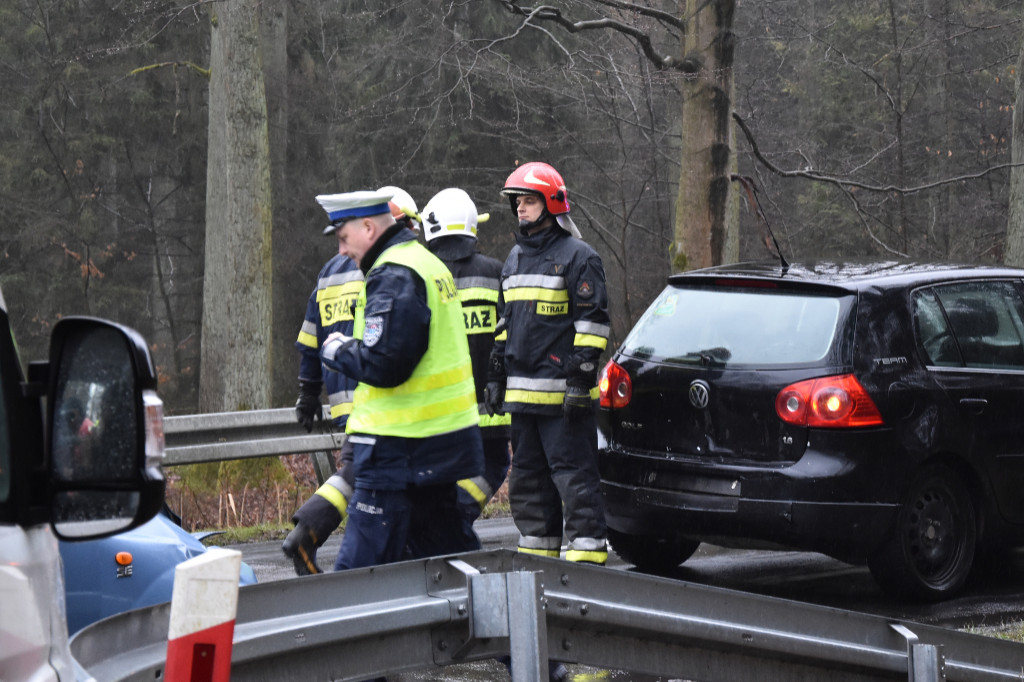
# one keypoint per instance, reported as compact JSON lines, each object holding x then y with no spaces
{"x":450,"y":222}
{"x":330,"y":309}
{"x":414,"y":424}
{"x":553,"y":328}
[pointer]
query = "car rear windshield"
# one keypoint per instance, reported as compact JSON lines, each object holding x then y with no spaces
{"x":735,"y":325}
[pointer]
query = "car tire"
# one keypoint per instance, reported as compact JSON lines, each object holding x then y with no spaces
{"x":652,"y":553}
{"x":931,"y":547}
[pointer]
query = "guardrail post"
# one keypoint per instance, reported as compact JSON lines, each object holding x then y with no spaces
{"x":509,"y":605}
{"x":927,"y":664}
{"x":204,"y":603}
{"x":323,"y":466}
{"x":924,"y":661}
{"x":528,"y":630}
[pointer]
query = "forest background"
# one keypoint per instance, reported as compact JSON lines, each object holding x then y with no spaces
{"x":866,"y":129}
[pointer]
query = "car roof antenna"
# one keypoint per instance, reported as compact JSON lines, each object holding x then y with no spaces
{"x":751,"y":189}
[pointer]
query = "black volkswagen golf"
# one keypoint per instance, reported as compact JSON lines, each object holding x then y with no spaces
{"x":873,"y":412}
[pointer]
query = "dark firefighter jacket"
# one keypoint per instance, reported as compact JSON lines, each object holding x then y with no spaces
{"x":478,"y":279}
{"x":554,"y":322}
{"x":330,"y":309}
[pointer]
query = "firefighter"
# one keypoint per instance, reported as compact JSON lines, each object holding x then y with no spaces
{"x":553,"y":328}
{"x":450,"y":223}
{"x":414,"y":422}
{"x":330,"y":309}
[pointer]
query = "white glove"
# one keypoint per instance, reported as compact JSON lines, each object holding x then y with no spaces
{"x":334,"y":343}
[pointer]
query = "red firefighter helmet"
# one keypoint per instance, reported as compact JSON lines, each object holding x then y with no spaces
{"x":538,"y":178}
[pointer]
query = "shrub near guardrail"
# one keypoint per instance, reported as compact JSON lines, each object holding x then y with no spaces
{"x":240,"y":493}
{"x":258,"y":494}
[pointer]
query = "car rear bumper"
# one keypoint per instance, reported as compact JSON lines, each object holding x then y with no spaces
{"x":808,"y":505}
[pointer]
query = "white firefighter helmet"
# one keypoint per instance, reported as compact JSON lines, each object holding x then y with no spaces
{"x":450,"y":212}
{"x":402,"y":204}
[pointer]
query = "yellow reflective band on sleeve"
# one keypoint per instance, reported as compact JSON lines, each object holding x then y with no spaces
{"x":496,"y":420}
{"x":478,"y":294}
{"x":593,"y":557}
{"x":537,"y":294}
{"x":479,"y":319}
{"x":540,"y":552}
{"x":503,"y":336}
{"x":590,"y":340}
{"x":470,"y":486}
{"x":308,"y":340}
{"x":595,"y":393}
{"x":334,"y":496}
{"x":341,"y":410}
{"x":514,"y":395}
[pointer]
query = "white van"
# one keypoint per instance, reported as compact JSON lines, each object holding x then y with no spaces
{"x":81,"y":441}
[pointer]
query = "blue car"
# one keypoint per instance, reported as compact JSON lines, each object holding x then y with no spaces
{"x":127,"y":571}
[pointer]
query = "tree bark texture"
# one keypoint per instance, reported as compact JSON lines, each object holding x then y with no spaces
{"x":288,"y":318}
{"x":707,"y":215}
{"x":1014,"y":254}
{"x":237,"y":294}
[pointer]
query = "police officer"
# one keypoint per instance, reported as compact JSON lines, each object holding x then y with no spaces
{"x":330,"y":309}
{"x":450,"y":222}
{"x":414,"y":424}
{"x":553,"y":327}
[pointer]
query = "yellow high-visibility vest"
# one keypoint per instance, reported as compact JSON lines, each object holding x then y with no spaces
{"x":440,"y":396}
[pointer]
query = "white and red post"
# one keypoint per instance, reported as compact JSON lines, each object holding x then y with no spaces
{"x":203,"y":607}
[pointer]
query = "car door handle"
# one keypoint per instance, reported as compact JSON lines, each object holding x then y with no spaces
{"x":974,"y":405}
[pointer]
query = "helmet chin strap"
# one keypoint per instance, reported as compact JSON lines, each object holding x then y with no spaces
{"x":527,"y":225}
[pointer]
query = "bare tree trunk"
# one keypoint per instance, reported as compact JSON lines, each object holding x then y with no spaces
{"x":237,"y":322}
{"x":897,"y":113}
{"x":707,"y":208}
{"x":288,"y":310}
{"x":1014,"y":252}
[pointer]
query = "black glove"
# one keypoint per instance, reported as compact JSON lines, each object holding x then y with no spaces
{"x":577,"y":404}
{"x":494,"y":398}
{"x":496,"y":367}
{"x":308,"y":408}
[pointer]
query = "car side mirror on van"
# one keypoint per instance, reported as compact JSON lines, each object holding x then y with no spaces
{"x":104,"y":435}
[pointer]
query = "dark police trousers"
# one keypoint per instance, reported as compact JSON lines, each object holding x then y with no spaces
{"x":385,"y":526}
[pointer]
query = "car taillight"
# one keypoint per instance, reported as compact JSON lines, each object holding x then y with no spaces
{"x":615,"y":385}
{"x":836,"y":402}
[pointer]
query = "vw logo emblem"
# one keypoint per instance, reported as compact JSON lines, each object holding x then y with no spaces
{"x":699,"y":390}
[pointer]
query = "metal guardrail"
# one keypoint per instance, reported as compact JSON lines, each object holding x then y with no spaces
{"x":358,"y":624}
{"x":198,"y":438}
{"x":418,"y":615}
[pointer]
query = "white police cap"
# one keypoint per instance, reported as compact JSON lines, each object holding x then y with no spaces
{"x":342,"y":207}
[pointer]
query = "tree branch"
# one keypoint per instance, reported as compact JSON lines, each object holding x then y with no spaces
{"x":554,"y":14}
{"x":845,"y":183}
{"x":665,"y":17}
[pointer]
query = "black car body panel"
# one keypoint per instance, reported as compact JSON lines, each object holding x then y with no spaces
{"x":936,"y":347}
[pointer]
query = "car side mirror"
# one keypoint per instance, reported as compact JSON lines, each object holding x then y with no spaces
{"x":104,"y":429}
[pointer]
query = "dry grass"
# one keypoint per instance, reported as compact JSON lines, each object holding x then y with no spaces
{"x":258,"y":504}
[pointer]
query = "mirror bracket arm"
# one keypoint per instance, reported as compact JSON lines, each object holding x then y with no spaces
{"x":38,"y":379}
